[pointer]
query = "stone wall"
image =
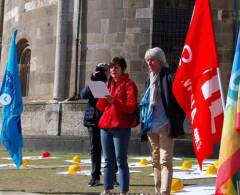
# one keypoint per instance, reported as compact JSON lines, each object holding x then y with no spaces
{"x":117,"y":27}
{"x":56,"y":119}
{"x":35,"y":22}
{"x":120,"y":27}
{"x":108,"y":28}
{"x":224,"y":20}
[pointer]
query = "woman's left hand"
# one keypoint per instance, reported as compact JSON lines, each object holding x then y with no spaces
{"x":110,"y":99}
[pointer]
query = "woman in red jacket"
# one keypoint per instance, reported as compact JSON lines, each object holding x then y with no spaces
{"x":116,"y":123}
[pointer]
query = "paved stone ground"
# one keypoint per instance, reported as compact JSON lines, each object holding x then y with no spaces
{"x":15,"y":193}
{"x":42,"y":179}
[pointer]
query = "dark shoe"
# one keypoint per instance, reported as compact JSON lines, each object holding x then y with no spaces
{"x":116,"y":183}
{"x":94,"y":182}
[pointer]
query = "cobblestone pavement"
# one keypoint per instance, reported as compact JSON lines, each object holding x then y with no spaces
{"x":16,"y":193}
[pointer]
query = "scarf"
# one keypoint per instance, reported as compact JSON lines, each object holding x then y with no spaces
{"x":153,"y":89}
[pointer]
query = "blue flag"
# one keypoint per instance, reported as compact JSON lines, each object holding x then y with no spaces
{"x":12,"y":106}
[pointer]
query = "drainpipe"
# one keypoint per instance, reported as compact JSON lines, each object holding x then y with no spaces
{"x":75,"y":95}
{"x":2,"y":3}
{"x":59,"y":92}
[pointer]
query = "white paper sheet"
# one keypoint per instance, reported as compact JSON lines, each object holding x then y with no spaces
{"x":189,"y":175}
{"x":192,"y":175}
{"x":197,"y":190}
{"x":88,"y":172}
{"x":194,"y":168}
{"x":33,"y":158}
{"x":209,"y":162}
{"x":148,"y":158}
{"x":177,"y":158}
{"x":98,"y":89}
{"x":137,"y":164}
{"x":7,"y":166}
{"x":80,"y":173}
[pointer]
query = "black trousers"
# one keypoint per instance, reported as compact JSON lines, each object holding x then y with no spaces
{"x":96,"y":150}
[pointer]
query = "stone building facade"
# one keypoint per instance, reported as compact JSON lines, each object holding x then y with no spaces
{"x":60,"y":41}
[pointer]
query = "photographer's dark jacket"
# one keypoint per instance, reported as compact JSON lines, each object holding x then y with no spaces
{"x":173,"y":111}
{"x":92,"y":115}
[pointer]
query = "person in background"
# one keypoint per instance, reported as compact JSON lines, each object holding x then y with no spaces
{"x":116,"y":123}
{"x":91,"y":118}
{"x":161,"y":118}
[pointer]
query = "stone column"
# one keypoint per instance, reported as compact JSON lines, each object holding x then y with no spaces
{"x":59,"y":92}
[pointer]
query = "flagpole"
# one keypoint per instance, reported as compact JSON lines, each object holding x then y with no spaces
{"x":238,"y":192}
{"x":221,"y":89}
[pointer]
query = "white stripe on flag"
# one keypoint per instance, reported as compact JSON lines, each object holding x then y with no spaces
{"x":209,"y":87}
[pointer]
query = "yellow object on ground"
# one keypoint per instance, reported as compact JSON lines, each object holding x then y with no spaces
{"x":211,"y":170}
{"x":72,"y":169}
{"x":76,"y":159}
{"x":177,"y":185}
{"x":187,"y":164}
{"x":26,"y":162}
{"x":215,"y":164}
{"x":143,"y":162}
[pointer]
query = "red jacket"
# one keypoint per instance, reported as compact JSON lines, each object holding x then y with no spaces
{"x":120,"y":113}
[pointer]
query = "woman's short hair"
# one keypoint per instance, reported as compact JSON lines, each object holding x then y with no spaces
{"x":119,"y":61}
{"x":156,"y":53}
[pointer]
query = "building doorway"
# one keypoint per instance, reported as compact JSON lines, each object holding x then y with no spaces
{"x":170,"y":24}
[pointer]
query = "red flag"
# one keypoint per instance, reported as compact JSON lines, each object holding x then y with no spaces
{"x":196,"y":86}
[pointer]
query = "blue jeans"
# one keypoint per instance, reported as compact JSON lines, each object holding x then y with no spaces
{"x":115,"y":142}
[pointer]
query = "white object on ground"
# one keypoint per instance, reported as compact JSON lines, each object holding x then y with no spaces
{"x":82,"y":162}
{"x":137,"y":165}
{"x":80,"y":173}
{"x":7,"y":166}
{"x":197,"y":190}
{"x":88,"y":172}
{"x":192,"y":175}
{"x":209,"y":162}
{"x":177,"y":158}
{"x":148,"y":158}
{"x":32,"y":158}
{"x":193,"y":168}
{"x":184,"y":175}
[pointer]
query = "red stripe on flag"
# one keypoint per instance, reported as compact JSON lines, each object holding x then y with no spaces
{"x":227,"y":170}
{"x":238,"y":121}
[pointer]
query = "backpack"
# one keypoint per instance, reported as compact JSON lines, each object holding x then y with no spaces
{"x":91,"y":116}
{"x":137,"y":115}
{"x":146,"y":112}
{"x":136,"y":112}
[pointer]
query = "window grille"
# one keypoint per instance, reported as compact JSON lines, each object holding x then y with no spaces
{"x":170,"y":24}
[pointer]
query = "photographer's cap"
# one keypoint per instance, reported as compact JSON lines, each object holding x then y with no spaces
{"x":102,"y":65}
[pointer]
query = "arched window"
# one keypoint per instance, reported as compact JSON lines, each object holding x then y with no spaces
{"x":24,"y":59}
